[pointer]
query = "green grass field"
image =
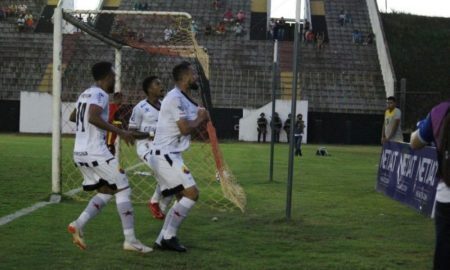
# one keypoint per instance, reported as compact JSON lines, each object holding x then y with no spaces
{"x":338,"y":220}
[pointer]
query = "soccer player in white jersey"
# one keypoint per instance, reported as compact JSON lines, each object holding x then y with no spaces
{"x":144,"y":119}
{"x":178,"y":118}
{"x":98,"y":166}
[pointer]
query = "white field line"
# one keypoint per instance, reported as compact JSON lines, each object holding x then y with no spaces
{"x":25,"y":211}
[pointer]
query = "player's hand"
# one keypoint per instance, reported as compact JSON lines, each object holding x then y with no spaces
{"x":383,"y":140}
{"x":203,"y":114}
{"x":127,"y":136}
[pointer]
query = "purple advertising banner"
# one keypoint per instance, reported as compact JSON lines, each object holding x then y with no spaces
{"x":409,"y":176}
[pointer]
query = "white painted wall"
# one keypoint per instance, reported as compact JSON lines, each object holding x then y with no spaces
{"x":247,"y":124}
{"x":36,"y":113}
{"x":383,"y":53}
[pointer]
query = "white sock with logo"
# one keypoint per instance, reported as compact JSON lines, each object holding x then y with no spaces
{"x":179,"y":213}
{"x":94,"y":207}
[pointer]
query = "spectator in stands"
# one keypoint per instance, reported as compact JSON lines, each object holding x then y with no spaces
{"x":228,"y":16}
{"x":29,"y":20}
{"x":392,"y":130}
{"x":145,"y":7}
{"x":276,"y":125}
{"x":369,"y":38}
{"x":208,"y":30}
{"x":298,"y":134}
{"x":2,"y":13}
{"x":240,"y":17}
{"x":21,"y":23}
{"x":342,"y":18}
{"x":216,"y":4}
{"x":436,"y":129}
{"x":22,"y":9}
{"x":220,"y":29}
{"x":141,"y":36}
{"x":307,"y":25}
{"x":281,"y":25}
{"x":356,"y":36}
{"x":238,"y":30}
{"x":168,"y":33}
{"x":309,"y":37}
{"x":194,"y":28}
{"x":90,"y":20}
{"x":262,"y":127}
{"x":287,"y":127}
{"x":348,"y":18}
{"x":272,"y":28}
{"x":13,"y":9}
{"x":320,"y":39}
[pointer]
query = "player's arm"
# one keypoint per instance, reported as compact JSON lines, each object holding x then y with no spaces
{"x":423,"y":135}
{"x":134,"y":124}
{"x":73,"y":116}
{"x":188,"y":126}
{"x":138,"y":135}
{"x":95,"y":119}
{"x":383,"y":137}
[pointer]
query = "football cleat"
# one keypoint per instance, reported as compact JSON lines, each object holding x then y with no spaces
{"x":156,"y":211}
{"x":173,"y":244}
{"x":77,"y":235}
{"x":136,"y":246}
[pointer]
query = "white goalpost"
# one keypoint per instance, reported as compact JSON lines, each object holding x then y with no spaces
{"x":126,"y":43}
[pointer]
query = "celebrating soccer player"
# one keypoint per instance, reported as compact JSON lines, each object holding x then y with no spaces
{"x":98,"y":166}
{"x":144,"y":119}
{"x":179,"y":117}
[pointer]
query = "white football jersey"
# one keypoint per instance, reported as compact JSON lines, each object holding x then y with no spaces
{"x":175,"y":106}
{"x":144,"y":119}
{"x":90,"y":141}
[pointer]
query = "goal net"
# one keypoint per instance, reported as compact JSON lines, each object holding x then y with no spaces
{"x":140,"y":44}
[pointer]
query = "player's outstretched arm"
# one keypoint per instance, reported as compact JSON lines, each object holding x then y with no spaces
{"x":188,"y":126}
{"x":138,"y":135}
{"x":95,"y":119}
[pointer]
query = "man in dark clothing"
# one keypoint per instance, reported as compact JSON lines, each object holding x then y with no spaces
{"x":298,"y":134}
{"x":262,"y":127}
{"x":287,"y":127}
{"x":276,"y":124}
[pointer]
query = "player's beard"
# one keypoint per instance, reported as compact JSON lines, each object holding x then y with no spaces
{"x":193,"y":86}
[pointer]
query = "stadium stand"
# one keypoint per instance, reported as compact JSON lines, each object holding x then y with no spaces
{"x":343,"y":77}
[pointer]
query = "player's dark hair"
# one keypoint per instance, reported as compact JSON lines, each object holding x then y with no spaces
{"x":391,"y":98}
{"x":100,"y":70}
{"x":180,"y":69}
{"x":147,"y":82}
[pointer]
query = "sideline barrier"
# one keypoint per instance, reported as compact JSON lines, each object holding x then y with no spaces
{"x":408,"y":176}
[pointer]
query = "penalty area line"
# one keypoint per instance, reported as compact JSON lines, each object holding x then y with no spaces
{"x":25,"y":211}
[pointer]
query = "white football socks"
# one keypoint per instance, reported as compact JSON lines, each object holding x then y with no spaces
{"x":94,"y":207}
{"x":125,"y":210}
{"x":179,"y":211}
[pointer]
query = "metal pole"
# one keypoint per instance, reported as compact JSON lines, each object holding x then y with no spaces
{"x":118,"y":88}
{"x":56,"y":83}
{"x":293,"y":112}
{"x":274,"y":85}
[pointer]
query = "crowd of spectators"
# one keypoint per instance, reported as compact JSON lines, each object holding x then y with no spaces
{"x":23,"y":18}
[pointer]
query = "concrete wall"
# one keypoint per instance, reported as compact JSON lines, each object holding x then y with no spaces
{"x":36,"y":113}
{"x":247,"y":124}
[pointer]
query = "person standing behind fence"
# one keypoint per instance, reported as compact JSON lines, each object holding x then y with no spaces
{"x":287,"y":127}
{"x":275,"y":125}
{"x":262,"y":127}
{"x":298,"y":134}
{"x":436,"y":128}
{"x":392,"y":130}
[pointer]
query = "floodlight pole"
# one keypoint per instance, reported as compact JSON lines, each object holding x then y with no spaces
{"x":56,"y":85}
{"x":274,"y":86}
{"x":293,"y":111}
